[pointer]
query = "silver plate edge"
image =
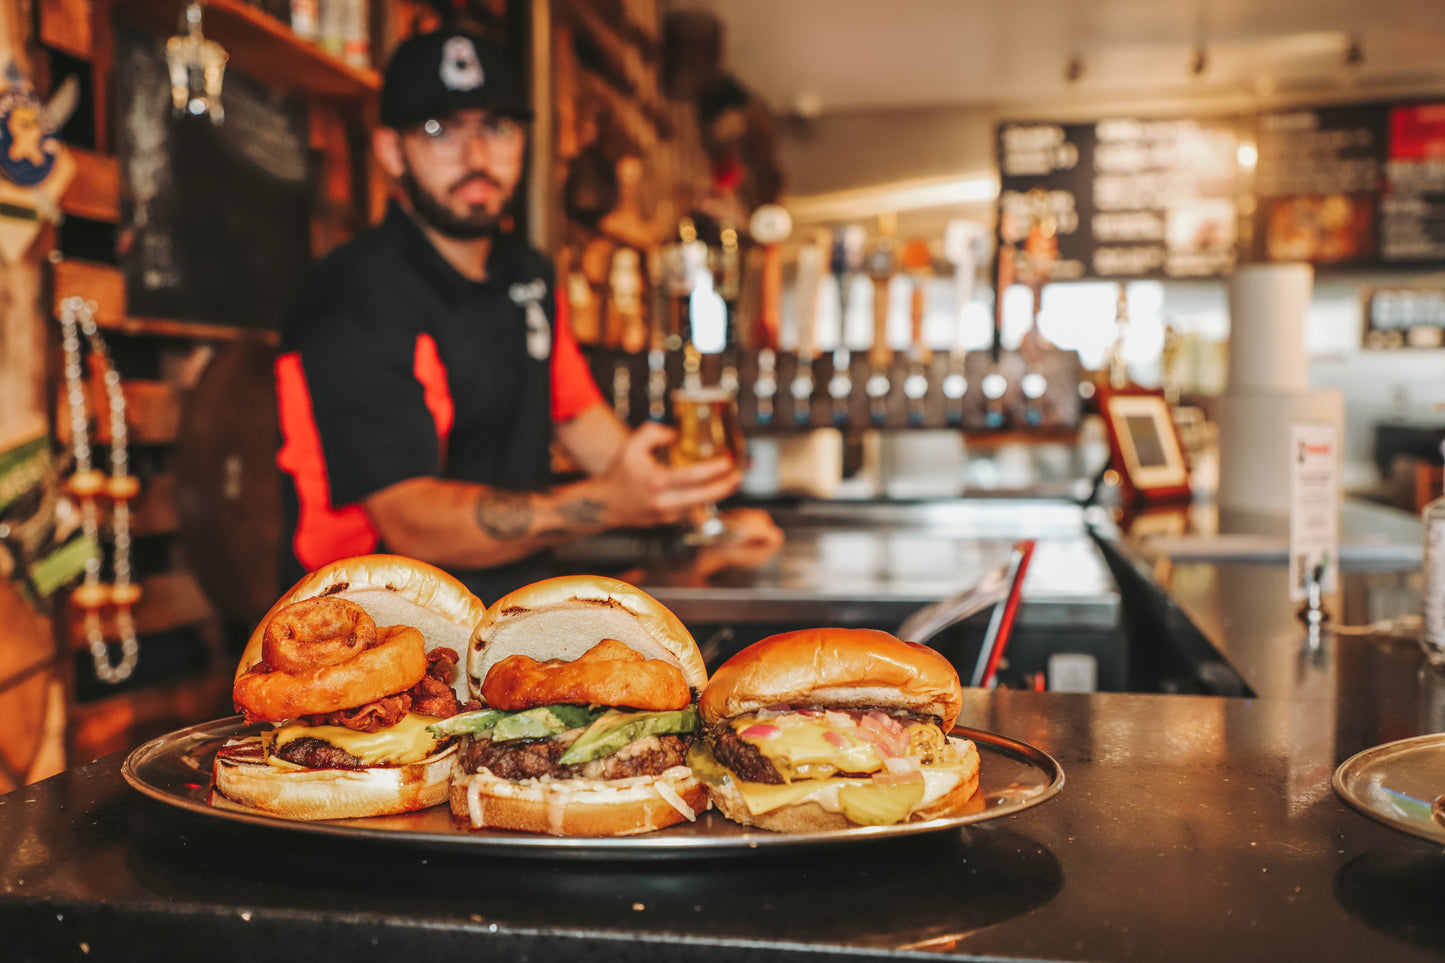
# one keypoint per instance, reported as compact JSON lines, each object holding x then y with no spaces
{"x":658,"y":844}
{"x":1341,"y":781}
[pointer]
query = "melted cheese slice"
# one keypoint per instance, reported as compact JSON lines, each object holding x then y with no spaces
{"x":806,"y":748}
{"x":802,"y":751}
{"x":406,"y":742}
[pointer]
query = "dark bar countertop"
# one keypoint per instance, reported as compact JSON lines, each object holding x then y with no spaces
{"x":1190,"y":827}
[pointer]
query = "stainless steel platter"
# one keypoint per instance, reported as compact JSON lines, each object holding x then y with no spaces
{"x":175,"y":769}
{"x":1398,"y":784}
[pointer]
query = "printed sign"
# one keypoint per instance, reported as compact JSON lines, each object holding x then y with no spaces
{"x":1314,"y":510}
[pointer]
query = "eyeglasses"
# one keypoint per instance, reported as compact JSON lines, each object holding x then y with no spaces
{"x":450,"y":136}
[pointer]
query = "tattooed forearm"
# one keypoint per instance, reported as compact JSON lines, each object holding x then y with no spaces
{"x":583,"y":513}
{"x":505,"y":515}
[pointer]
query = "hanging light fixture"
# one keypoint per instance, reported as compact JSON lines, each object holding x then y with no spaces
{"x":197,"y":67}
{"x":1199,"y":61}
{"x":1074,"y":68}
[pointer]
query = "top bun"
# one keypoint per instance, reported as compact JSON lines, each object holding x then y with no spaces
{"x":563,"y":617}
{"x":843,"y":668}
{"x":394,"y":590}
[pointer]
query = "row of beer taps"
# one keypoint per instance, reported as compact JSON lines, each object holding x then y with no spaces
{"x":855,"y":329}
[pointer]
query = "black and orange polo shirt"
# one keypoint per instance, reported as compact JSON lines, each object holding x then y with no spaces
{"x":395,"y":366}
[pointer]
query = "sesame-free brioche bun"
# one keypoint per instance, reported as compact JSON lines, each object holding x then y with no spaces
{"x":577,"y":807}
{"x":394,"y":590}
{"x":563,"y":617}
{"x":842,"y":668}
{"x":333,"y":793}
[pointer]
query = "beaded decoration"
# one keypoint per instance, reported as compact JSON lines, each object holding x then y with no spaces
{"x":88,"y":485}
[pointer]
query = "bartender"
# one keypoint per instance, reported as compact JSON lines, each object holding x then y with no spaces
{"x":427,"y":366}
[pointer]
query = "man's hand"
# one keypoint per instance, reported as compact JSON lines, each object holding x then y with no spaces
{"x":641,"y":491}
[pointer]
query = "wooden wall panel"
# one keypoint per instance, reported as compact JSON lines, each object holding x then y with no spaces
{"x":105,"y":285}
{"x":66,"y":26}
{"x":95,"y":191}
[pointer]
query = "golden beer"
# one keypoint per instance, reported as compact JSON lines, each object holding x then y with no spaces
{"x":707,"y":426}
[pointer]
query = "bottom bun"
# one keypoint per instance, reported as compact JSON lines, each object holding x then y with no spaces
{"x":332,"y":793}
{"x":577,"y":807}
{"x":808,"y":816}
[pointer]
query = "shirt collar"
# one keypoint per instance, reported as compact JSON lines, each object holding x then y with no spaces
{"x":427,"y":260}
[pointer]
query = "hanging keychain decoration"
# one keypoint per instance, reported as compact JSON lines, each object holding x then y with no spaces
{"x":88,"y":485}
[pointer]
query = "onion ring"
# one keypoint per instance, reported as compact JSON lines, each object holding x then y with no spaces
{"x":608,"y":674}
{"x":396,"y":663}
{"x":316,"y":632}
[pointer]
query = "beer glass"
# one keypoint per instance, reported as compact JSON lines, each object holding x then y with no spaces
{"x":707,"y":426}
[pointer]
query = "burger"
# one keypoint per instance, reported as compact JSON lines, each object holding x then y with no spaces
{"x":589,"y":690}
{"x":827,"y":729}
{"x":347,"y":671}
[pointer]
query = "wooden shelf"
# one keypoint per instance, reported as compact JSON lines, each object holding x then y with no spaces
{"x":95,"y":191}
{"x":172,"y":600}
{"x":261,"y":47}
{"x":105,"y":285}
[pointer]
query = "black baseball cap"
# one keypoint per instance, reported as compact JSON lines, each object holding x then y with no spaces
{"x":433,"y":74}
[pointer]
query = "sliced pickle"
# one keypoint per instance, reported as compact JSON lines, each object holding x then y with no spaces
{"x":875,"y":805}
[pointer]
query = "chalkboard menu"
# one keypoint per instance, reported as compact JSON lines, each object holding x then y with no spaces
{"x":1360,"y":185}
{"x":1317,"y":185}
{"x":215,"y":217}
{"x":1130,"y":198}
{"x":1412,"y":215}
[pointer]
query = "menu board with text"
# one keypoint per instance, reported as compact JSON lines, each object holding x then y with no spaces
{"x":1412,"y":219}
{"x":1358,"y":185}
{"x":1131,"y":198}
{"x":1317,"y":184}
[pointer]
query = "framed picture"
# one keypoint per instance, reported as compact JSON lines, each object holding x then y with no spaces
{"x":1145,"y":446}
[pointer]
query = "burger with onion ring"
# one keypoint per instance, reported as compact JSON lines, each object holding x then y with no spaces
{"x":827,"y":729}
{"x":589,"y":687}
{"x":348,"y":670}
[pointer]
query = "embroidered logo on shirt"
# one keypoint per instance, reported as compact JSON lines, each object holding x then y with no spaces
{"x":461,"y":67}
{"x":539,"y":329}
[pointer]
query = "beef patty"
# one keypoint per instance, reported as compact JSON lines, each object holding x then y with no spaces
{"x":743,"y":758}
{"x":534,"y":758}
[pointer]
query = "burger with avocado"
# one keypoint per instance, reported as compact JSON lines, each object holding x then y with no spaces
{"x":589,"y":690}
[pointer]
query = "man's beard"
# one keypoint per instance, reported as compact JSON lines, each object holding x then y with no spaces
{"x":433,"y":210}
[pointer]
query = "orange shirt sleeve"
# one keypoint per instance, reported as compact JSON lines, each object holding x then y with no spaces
{"x":573,"y":388}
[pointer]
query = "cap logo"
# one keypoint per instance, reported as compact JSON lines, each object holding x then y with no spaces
{"x":461,"y":67}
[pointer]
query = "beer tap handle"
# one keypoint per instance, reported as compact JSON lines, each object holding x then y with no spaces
{"x":769,"y":225}
{"x":959,"y":239}
{"x":812,"y":266}
{"x":657,"y":336}
{"x":918,"y":263}
{"x":880,"y":355}
{"x":840,"y":386}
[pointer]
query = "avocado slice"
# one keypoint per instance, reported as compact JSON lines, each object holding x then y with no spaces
{"x":542,"y":721}
{"x":615,"y":729}
{"x":478,"y":720}
{"x":535,"y":723}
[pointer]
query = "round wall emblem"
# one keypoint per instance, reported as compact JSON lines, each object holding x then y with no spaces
{"x":28,"y":145}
